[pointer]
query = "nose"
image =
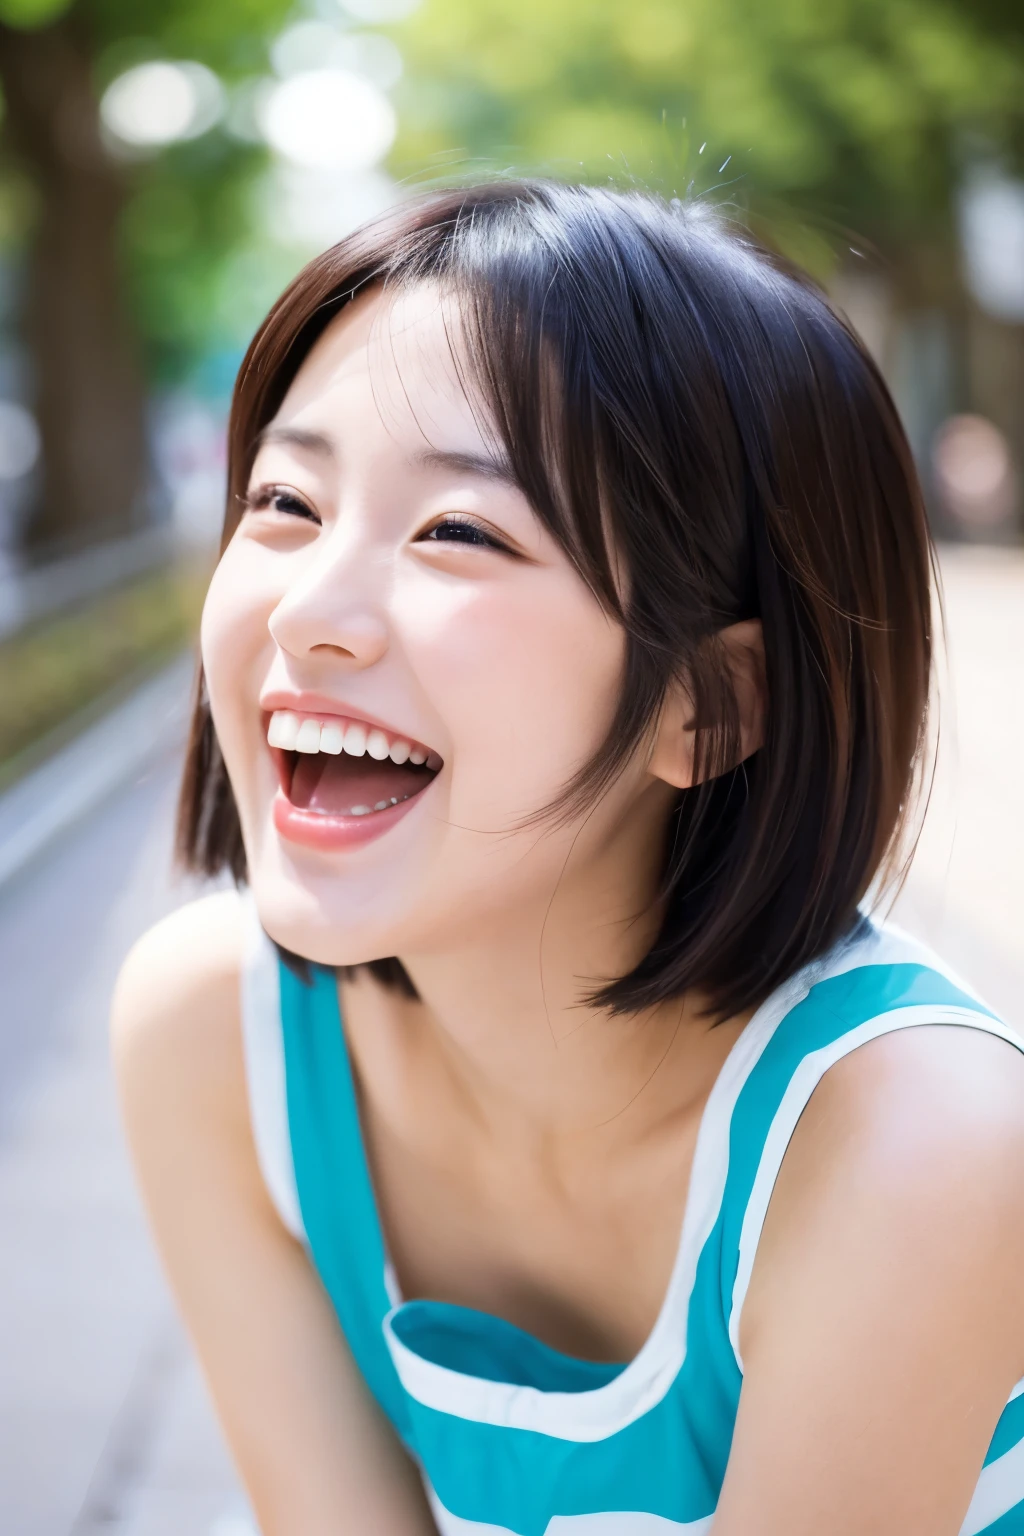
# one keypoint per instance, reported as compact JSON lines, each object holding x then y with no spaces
{"x":331,"y":612}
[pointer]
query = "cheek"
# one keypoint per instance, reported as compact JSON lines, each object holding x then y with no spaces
{"x":526,"y":676}
{"x":234,"y":637}
{"x":219,"y":619}
{"x":247,"y":585}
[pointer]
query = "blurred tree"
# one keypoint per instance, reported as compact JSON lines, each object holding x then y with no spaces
{"x":844,"y":130}
{"x":856,"y":113}
{"x":120,"y":257}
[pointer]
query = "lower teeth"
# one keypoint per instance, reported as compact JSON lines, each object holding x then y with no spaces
{"x":382,"y":805}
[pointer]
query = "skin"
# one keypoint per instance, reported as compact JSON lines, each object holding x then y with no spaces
{"x":545,"y":1140}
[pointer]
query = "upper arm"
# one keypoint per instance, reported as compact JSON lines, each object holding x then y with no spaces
{"x":311,"y":1444}
{"x":884,"y":1326}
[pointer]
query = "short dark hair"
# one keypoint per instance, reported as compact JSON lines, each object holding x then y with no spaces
{"x":655,"y":373}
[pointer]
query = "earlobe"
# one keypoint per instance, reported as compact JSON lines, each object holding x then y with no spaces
{"x":672,"y":756}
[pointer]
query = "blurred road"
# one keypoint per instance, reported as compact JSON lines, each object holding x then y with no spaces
{"x":965,"y":892}
{"x":103,"y":1421}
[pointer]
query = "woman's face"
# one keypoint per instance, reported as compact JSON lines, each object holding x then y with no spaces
{"x":402,"y":663}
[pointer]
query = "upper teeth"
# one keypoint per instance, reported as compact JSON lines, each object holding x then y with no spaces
{"x":304,"y":733}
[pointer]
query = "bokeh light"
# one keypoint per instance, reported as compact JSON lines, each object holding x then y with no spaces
{"x":380,"y":10}
{"x":310,"y":207}
{"x":974,"y":471}
{"x":329,"y":118}
{"x":162,"y":102}
{"x":19,"y":440}
{"x":314,"y":45}
{"x":992,"y":232}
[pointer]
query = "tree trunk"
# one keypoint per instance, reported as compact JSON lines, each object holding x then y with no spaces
{"x":89,"y":396}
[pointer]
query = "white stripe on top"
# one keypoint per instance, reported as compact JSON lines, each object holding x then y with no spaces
{"x":602,"y":1411}
{"x":999,"y":1489}
{"x":794,"y":1101}
{"x":263,"y":1047}
{"x":611,"y":1523}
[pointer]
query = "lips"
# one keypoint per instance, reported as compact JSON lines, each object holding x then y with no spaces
{"x":343,"y":781}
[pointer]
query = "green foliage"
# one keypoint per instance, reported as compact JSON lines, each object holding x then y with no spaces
{"x":189,"y":212}
{"x":819,"y":118}
{"x":187,"y":216}
{"x":29,"y":14}
{"x":228,"y":36}
{"x":857,"y":111}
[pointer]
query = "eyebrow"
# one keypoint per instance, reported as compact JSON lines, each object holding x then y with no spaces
{"x":481,"y":464}
{"x":297,"y":437}
{"x":486,"y":466}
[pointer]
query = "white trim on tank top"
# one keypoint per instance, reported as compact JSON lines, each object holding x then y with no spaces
{"x":999,"y":1490}
{"x":263,"y":1047}
{"x":581,"y":1416}
{"x":999,"y":1486}
{"x":602,"y":1411}
{"x":795,"y":1100}
{"x":611,"y":1523}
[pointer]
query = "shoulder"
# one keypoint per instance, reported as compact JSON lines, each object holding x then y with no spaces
{"x":922,"y":1102}
{"x":883,"y":1332}
{"x":177,"y":962}
{"x":175,"y":1013}
{"x":909,"y":1161}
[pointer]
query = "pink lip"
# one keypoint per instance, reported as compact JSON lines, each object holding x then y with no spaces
{"x":329,"y":833}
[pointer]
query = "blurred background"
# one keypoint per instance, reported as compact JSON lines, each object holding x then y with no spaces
{"x":165,"y":168}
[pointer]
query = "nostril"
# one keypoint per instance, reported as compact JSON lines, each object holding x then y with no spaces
{"x":332,"y":650}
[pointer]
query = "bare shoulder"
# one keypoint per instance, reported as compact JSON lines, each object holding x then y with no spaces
{"x":908,"y":1162}
{"x":175,"y":1012}
{"x":933,"y":1106}
{"x":883,"y":1330}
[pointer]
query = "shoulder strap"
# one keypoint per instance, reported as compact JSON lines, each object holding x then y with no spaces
{"x":305,"y":1125}
{"x":881,"y":982}
{"x":339,"y":1208}
{"x":263,"y":1049}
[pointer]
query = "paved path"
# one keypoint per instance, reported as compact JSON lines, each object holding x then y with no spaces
{"x":965,"y":893}
{"x":103,"y":1424}
{"x":103,"y":1421}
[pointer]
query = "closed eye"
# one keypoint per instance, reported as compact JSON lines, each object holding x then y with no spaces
{"x":278,"y":498}
{"x":463,"y":530}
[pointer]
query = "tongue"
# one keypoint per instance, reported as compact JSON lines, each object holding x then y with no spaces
{"x":333,"y":785}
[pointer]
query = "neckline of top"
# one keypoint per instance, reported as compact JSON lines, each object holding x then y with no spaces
{"x":645,"y":1378}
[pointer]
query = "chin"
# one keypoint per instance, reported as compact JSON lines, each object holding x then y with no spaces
{"x":323,"y":914}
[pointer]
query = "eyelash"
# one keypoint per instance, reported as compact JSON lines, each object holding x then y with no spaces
{"x":279,"y":498}
{"x":483,"y":540}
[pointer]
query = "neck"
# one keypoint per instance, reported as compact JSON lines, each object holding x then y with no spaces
{"x":506,"y":1013}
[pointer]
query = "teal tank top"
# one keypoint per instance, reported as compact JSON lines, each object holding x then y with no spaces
{"x":510,"y":1435}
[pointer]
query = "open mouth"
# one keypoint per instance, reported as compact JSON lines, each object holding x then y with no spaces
{"x":334,"y":767}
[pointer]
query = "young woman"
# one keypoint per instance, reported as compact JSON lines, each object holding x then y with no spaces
{"x":546,"y":1141}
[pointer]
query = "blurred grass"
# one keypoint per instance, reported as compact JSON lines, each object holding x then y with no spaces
{"x":64,"y":668}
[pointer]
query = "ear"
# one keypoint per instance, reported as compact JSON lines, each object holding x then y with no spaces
{"x":672,"y":757}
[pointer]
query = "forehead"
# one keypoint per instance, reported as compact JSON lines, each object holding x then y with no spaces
{"x":399,"y":356}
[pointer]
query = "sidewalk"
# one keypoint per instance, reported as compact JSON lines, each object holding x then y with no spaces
{"x":965,"y":893}
{"x":104,"y":1425}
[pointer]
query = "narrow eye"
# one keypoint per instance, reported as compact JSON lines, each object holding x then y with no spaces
{"x":278,"y":498}
{"x":461,"y":530}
